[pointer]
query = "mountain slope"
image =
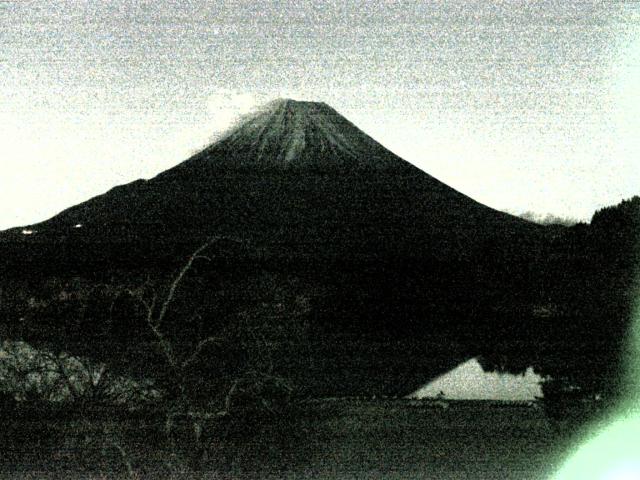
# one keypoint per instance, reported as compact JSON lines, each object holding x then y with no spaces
{"x":391,"y":272}
{"x":296,"y":179}
{"x":288,"y":134}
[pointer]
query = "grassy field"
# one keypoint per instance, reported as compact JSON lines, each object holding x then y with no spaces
{"x":328,"y":439}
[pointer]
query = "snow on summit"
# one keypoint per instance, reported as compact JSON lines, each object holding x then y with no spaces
{"x":293,"y":134}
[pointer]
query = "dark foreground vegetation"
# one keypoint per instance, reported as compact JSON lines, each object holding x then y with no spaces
{"x":384,"y":326}
{"x":332,"y":439}
{"x":231,"y":289}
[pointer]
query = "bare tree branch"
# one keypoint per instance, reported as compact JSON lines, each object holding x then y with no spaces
{"x":176,"y":282}
{"x":228,"y":398}
{"x":165,"y":345}
{"x":149,"y":307}
{"x":125,"y":458}
{"x":155,"y":321}
{"x":198,"y":349}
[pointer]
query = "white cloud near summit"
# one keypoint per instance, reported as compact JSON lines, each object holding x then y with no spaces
{"x":225,"y":106}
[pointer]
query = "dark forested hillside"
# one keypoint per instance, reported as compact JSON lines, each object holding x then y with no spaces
{"x":589,"y":287}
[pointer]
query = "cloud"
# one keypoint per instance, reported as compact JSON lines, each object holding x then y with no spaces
{"x":225,"y":106}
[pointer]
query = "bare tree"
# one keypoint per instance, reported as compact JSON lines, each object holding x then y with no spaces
{"x":181,"y":361}
{"x":193,"y":422}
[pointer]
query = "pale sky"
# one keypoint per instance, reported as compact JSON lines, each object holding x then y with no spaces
{"x":522,"y":105}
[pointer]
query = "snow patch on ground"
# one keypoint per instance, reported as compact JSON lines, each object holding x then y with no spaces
{"x":468,"y":381}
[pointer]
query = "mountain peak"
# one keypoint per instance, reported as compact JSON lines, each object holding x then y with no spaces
{"x":301,"y":135}
{"x":300,"y":106}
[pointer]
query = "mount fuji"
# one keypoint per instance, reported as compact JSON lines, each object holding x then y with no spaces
{"x":402,"y":275}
